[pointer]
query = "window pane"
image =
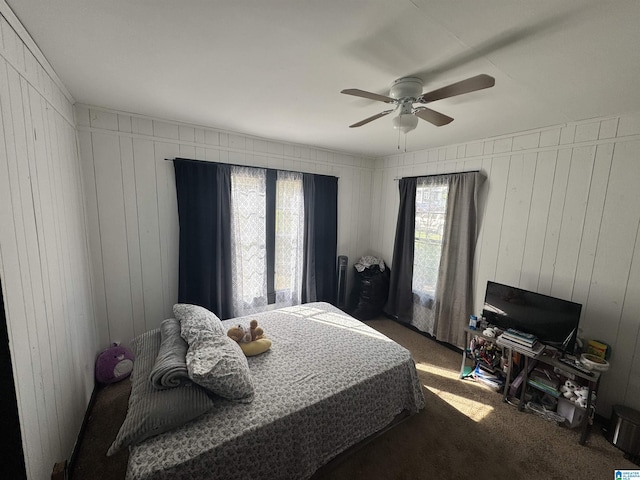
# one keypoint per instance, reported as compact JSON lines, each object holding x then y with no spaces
{"x":431,"y":206}
{"x":249,"y":246}
{"x":289,"y":238}
{"x":248,"y":223}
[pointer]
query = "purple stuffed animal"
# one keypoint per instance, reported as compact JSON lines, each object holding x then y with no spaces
{"x":114,"y":364}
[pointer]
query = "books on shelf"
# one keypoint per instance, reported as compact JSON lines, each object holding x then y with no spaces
{"x":532,"y":351}
{"x":546,"y":376}
{"x":534,"y":382}
{"x":545,"y":380}
{"x":526,"y":339}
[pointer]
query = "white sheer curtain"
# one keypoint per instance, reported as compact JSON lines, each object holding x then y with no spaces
{"x":431,"y":212}
{"x":289,"y":238}
{"x":249,"y":243}
{"x":248,"y":240}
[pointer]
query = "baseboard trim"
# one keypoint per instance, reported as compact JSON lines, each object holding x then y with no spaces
{"x":74,"y":454}
{"x":424,"y":334}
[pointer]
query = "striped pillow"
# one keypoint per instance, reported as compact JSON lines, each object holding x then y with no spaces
{"x":151,"y":411}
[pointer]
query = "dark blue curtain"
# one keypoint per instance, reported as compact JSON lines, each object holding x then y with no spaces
{"x":204,"y":209}
{"x":400,"y":302}
{"x":319,"y":282}
{"x":204,"y":203}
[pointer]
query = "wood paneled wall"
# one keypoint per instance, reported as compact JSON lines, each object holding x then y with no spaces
{"x":44,"y":260}
{"x":132,"y":207}
{"x":560,"y":215}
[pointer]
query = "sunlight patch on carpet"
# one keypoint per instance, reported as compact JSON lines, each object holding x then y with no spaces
{"x":476,"y":411}
{"x":442,"y":372}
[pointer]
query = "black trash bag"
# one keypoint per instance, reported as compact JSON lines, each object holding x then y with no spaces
{"x":369,"y":292}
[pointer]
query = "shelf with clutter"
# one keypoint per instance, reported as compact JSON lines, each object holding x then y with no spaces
{"x":543,"y":364}
{"x":557,"y":395}
{"x":485,"y":356}
{"x":579,"y":377}
{"x":558,"y":386}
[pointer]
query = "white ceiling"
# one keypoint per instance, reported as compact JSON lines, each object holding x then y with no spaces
{"x":275,"y":68}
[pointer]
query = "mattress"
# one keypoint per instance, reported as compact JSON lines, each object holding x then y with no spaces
{"x":327,"y":382}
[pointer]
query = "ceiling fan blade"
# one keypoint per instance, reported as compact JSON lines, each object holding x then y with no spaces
{"x":472,"y":84}
{"x":369,"y":95}
{"x":431,"y":116}
{"x":371,"y":119}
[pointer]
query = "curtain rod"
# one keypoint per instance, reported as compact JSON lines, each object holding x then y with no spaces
{"x":245,"y":166}
{"x":438,"y":174}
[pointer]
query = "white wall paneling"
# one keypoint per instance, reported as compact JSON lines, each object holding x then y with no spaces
{"x":148,"y":230}
{"x":538,"y":214}
{"x":44,"y":261}
{"x":133,"y":216}
{"x":516,"y":210}
{"x":560,"y":215}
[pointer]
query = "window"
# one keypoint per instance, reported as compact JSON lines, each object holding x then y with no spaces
{"x":267,"y":218}
{"x":248,"y":237}
{"x":431,"y":208}
{"x":431,"y":284}
{"x":289,"y":233}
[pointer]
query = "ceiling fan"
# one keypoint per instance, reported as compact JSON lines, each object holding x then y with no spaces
{"x":408,"y":90}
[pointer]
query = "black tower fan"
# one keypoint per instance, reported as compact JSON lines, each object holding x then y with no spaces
{"x":342,"y":281}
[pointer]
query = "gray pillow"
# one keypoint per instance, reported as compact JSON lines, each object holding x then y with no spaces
{"x":216,"y":362}
{"x":195,"y":319}
{"x":151,"y":411}
{"x":170,"y":367}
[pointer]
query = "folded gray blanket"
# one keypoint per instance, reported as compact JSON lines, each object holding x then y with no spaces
{"x":170,"y":368}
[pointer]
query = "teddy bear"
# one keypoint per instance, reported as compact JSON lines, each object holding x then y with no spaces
{"x":243,"y":334}
{"x":252,"y":340}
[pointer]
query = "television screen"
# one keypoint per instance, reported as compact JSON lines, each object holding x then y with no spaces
{"x":552,"y":320}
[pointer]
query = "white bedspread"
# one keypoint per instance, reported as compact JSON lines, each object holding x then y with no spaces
{"x":327,"y":382}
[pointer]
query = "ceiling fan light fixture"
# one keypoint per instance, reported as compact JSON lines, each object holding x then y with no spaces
{"x":405,"y":122}
{"x":406,"y":91}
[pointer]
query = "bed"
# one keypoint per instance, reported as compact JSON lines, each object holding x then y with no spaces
{"x":327,"y":383}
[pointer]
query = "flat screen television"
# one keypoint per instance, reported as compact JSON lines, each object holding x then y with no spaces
{"x":553,"y":320}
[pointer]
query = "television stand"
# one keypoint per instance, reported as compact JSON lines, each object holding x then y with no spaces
{"x":528,"y":354}
{"x":560,"y":365}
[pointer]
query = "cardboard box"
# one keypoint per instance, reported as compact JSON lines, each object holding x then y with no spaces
{"x":573,"y":414}
{"x":597,"y":348}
